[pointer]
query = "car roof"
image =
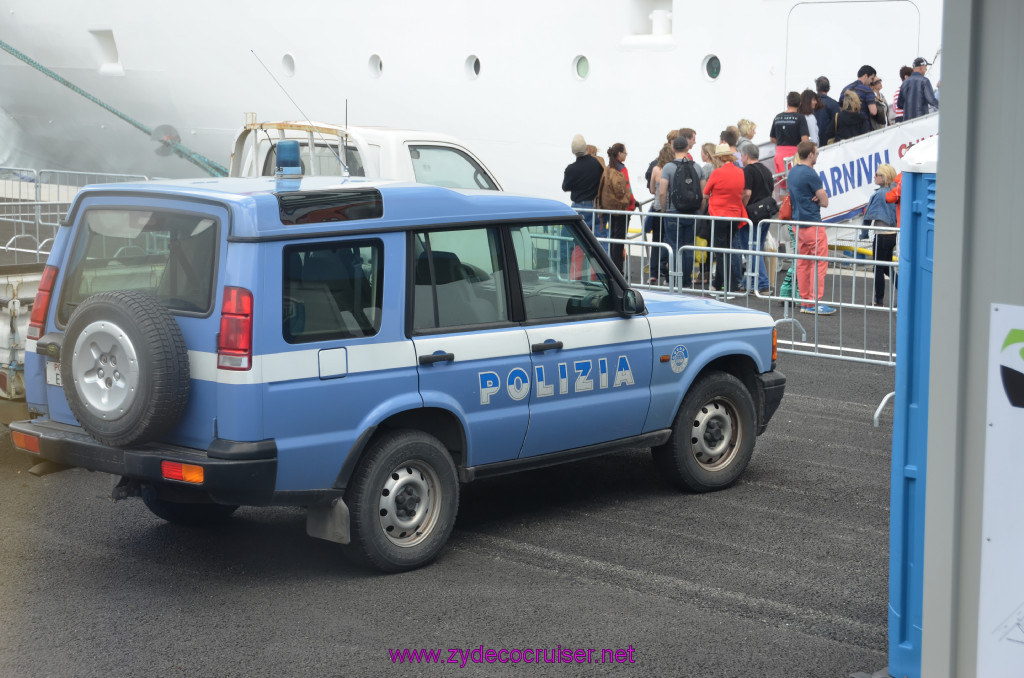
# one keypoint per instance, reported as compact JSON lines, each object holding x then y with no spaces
{"x":404,"y":204}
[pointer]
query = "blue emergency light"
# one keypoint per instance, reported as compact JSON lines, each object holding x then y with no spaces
{"x":288,"y":163}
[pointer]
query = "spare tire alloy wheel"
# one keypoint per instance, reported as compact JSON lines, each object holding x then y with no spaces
{"x":403,"y":498}
{"x":713,"y":435}
{"x":126,"y":366}
{"x":105,"y":369}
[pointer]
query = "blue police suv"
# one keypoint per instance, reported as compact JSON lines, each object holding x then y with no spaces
{"x":360,"y":348}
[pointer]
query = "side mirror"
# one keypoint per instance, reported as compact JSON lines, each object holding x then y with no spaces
{"x":632,"y":303}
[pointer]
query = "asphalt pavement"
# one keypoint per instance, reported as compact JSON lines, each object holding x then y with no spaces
{"x":784,"y":574}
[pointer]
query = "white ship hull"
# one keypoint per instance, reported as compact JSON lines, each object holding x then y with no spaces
{"x":191,"y":65}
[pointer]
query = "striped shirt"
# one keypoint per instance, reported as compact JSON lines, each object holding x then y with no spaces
{"x":897,"y":112}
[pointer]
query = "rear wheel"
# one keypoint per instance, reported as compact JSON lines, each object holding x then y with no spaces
{"x":186,"y":513}
{"x":402,"y":499}
{"x":712,"y":437}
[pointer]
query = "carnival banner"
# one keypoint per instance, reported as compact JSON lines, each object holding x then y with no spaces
{"x":848,"y":168}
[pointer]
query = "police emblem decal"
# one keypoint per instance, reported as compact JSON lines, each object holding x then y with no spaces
{"x":679,"y":359}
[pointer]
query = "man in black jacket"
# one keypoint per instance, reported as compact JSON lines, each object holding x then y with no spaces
{"x":582,"y":178}
{"x":758,"y":187}
{"x":826,"y":115}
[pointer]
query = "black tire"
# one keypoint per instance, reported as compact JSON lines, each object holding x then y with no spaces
{"x":712,"y":437}
{"x":186,"y":513}
{"x":121,"y":405}
{"x":402,"y":501}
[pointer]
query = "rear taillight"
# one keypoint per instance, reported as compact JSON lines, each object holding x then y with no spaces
{"x":188,"y":473}
{"x":42,"y":303}
{"x":234,"y":345}
{"x":24,"y":441}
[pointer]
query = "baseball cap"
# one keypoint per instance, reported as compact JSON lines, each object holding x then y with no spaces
{"x":921,"y":61}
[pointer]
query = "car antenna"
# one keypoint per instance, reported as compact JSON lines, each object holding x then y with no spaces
{"x":306,"y":117}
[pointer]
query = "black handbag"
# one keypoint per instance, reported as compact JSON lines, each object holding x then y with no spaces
{"x":765,"y":208}
{"x":702,"y":228}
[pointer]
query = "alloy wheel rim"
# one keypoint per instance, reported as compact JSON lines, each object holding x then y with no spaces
{"x":105,"y":369}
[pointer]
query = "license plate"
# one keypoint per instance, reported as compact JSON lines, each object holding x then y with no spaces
{"x":53,"y":373}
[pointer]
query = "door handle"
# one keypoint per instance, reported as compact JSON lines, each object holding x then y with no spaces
{"x":546,"y":346}
{"x":437,"y":358}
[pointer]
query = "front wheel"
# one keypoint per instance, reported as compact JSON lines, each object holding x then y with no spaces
{"x":713,"y":435}
{"x":403,"y":499}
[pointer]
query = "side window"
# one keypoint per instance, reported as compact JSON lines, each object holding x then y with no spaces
{"x":448,"y":167}
{"x":458,"y":279}
{"x":332,"y":291}
{"x":553,"y":287}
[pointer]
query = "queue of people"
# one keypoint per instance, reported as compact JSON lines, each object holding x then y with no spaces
{"x":731,"y":183}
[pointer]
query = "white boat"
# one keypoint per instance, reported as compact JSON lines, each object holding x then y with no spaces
{"x":515,"y":81}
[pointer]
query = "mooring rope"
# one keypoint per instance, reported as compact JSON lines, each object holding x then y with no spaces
{"x":212,"y":168}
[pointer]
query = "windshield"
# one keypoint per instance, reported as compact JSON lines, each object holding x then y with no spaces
{"x":169,"y":255}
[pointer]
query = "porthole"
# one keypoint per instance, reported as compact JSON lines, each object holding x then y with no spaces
{"x":581,"y":66}
{"x":472,"y":67}
{"x":376,"y":66}
{"x":288,"y":64}
{"x":712,"y":67}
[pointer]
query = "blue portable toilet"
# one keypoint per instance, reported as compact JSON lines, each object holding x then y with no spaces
{"x":910,"y":419}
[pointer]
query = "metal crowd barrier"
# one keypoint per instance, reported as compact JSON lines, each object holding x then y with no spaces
{"x":857,"y":332}
{"x":32,"y":204}
{"x":643,"y":249}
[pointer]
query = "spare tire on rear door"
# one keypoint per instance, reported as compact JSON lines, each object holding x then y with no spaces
{"x":125,"y":368}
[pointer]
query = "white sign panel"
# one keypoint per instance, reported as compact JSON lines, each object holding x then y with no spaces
{"x":1001,"y":606}
{"x":848,"y":168}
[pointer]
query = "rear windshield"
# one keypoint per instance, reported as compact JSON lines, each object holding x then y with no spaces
{"x":169,"y":255}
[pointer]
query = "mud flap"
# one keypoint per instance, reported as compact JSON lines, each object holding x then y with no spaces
{"x":330,"y":522}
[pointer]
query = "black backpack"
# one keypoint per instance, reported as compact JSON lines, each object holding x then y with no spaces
{"x":650,"y":170}
{"x":684,"y":194}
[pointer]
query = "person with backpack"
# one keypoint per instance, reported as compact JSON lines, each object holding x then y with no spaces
{"x":679,"y":193}
{"x":725,"y":199}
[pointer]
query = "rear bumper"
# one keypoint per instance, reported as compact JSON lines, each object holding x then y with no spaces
{"x":233,"y":472}
{"x":771,"y":387}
